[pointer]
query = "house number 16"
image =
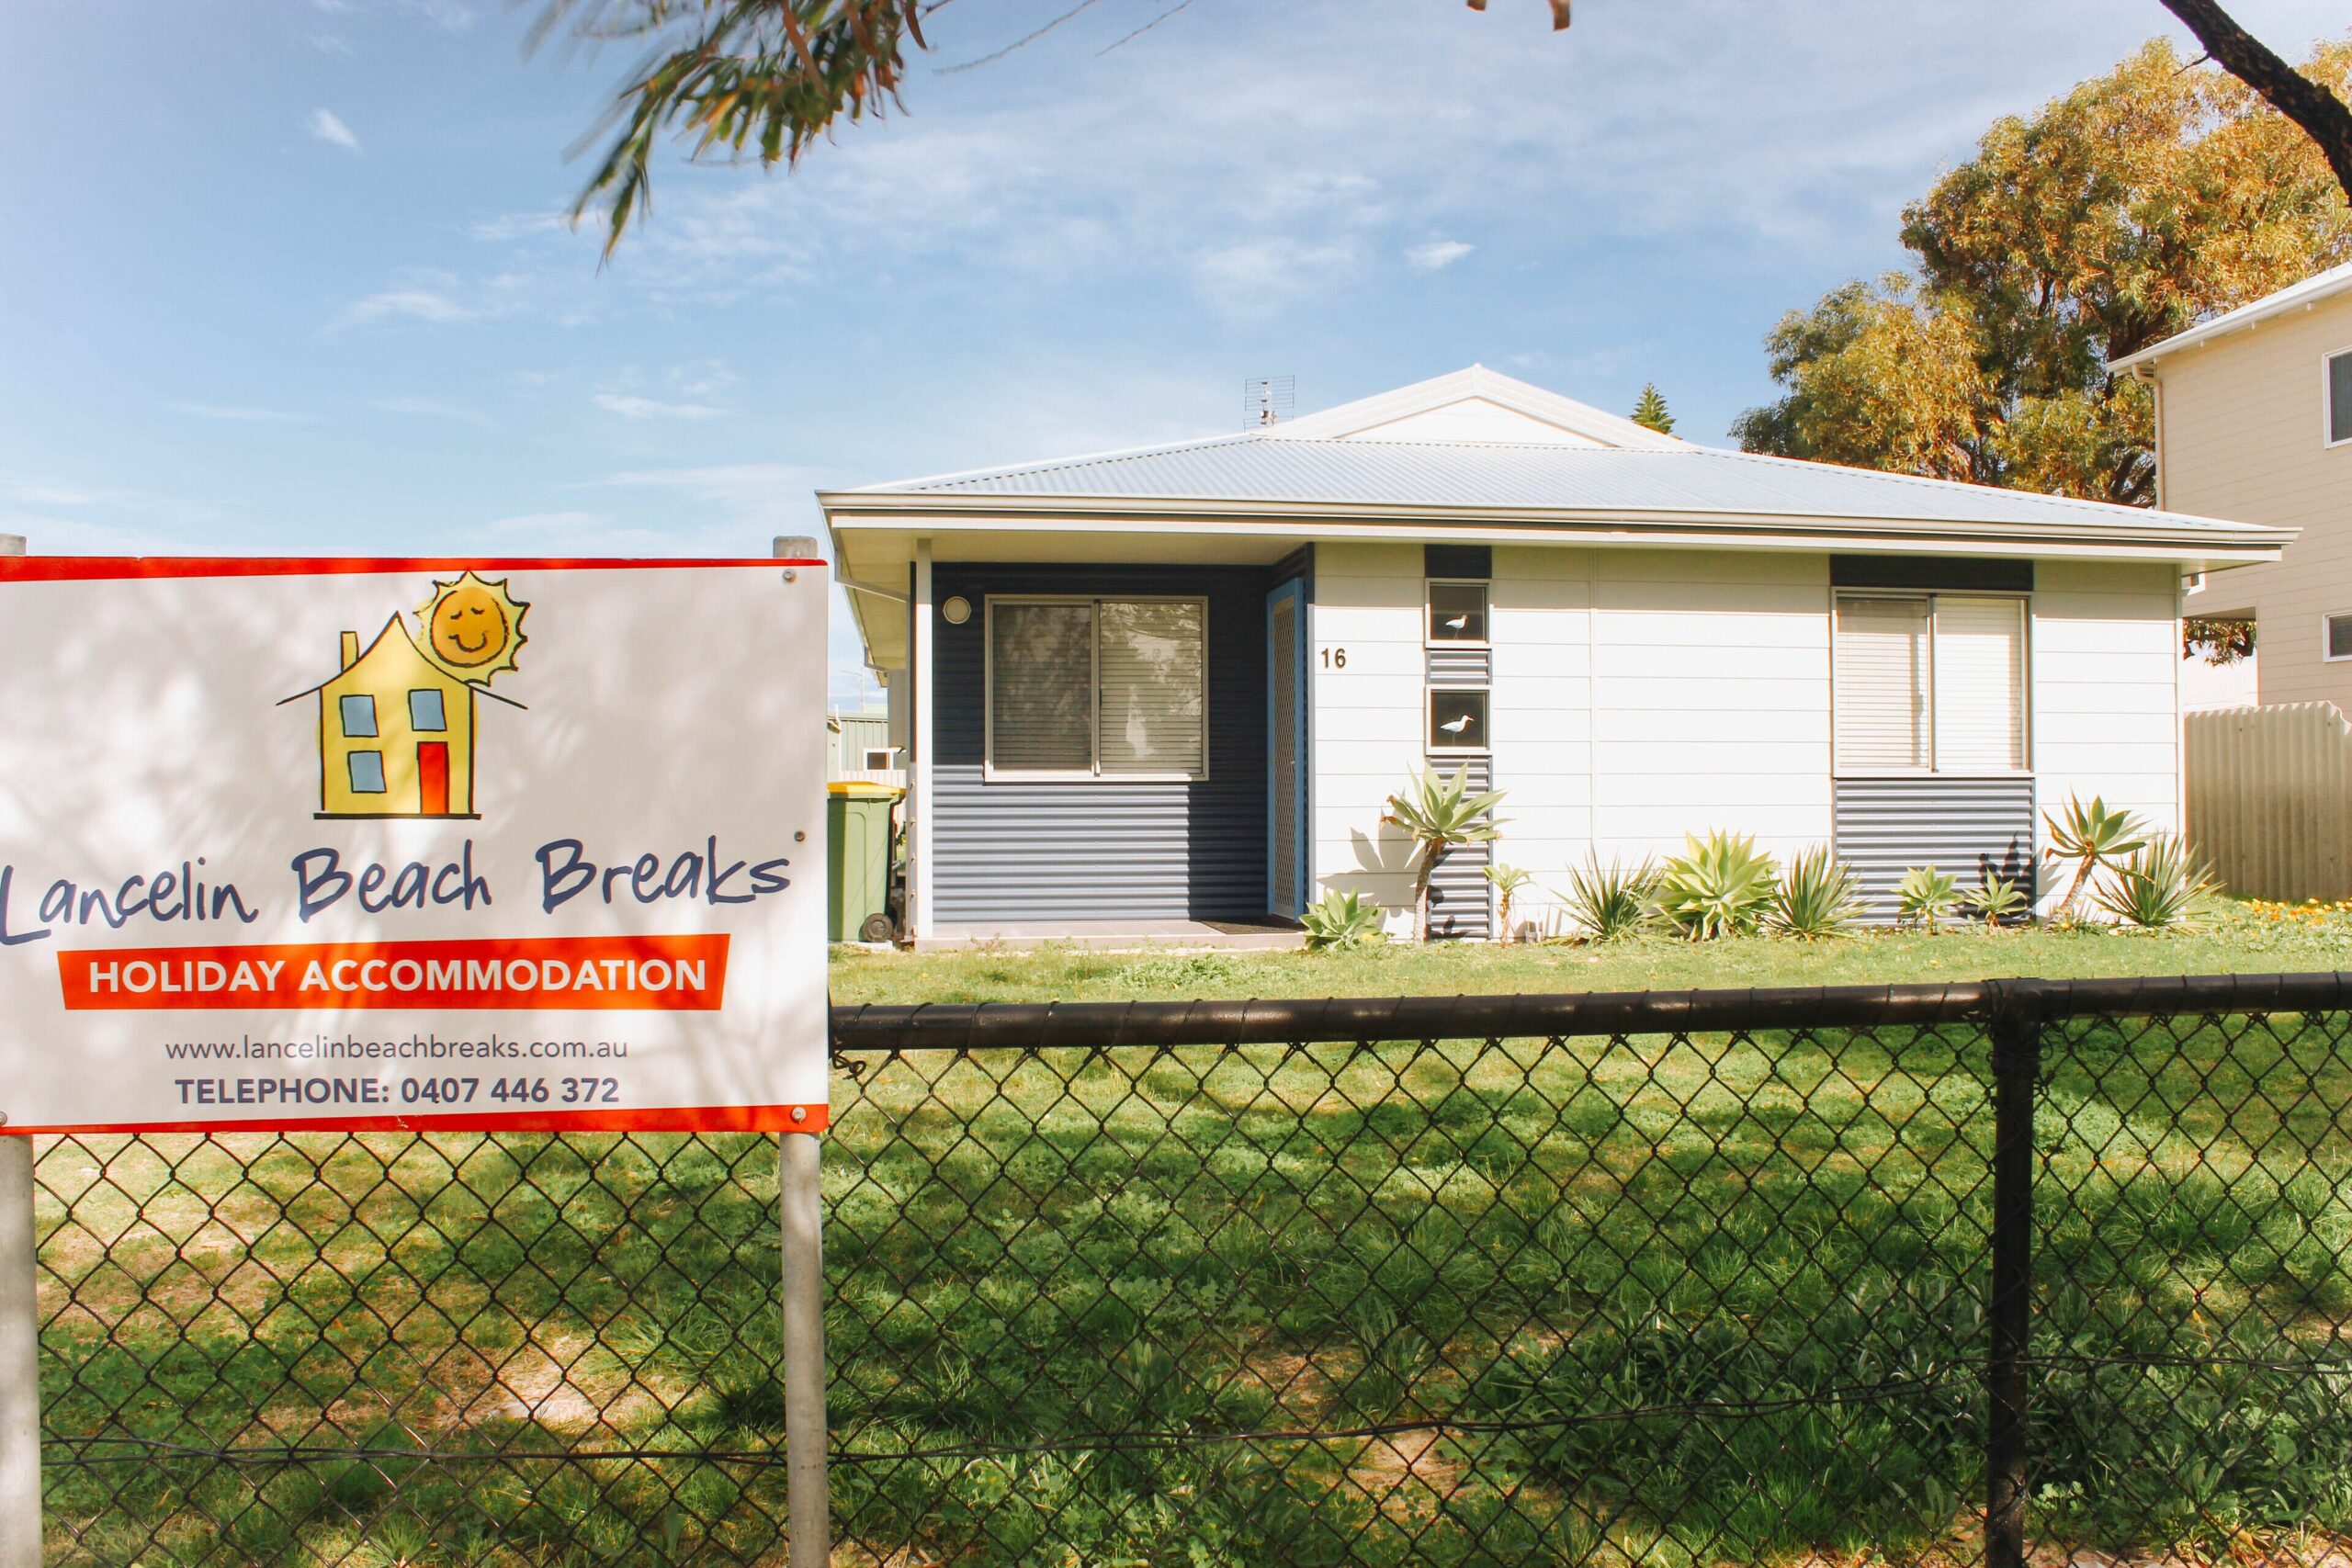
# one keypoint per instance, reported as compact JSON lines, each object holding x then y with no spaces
{"x":1335,"y":658}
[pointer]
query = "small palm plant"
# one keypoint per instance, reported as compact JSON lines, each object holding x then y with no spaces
{"x":1926,"y":898}
{"x":2089,"y":837}
{"x":1819,"y":897}
{"x":1342,"y":920}
{"x":1718,"y":887}
{"x":1996,"y":899}
{"x":1438,"y":814}
{"x":1508,"y":880}
{"x":1609,"y":902}
{"x":2163,"y":885}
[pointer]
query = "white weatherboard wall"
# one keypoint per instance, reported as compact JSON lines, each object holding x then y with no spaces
{"x":1366,"y":732}
{"x":1639,"y":694}
{"x":1643,"y":695}
{"x":2106,"y":657}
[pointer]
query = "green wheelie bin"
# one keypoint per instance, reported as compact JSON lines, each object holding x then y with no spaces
{"x":857,"y":859}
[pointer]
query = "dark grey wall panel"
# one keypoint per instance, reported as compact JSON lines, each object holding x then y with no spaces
{"x":1019,"y":851}
{"x":1956,"y":572}
{"x":1461,"y":899}
{"x":1885,"y":826}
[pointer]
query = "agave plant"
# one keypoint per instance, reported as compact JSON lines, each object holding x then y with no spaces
{"x":2162,"y":885}
{"x":1819,"y":897}
{"x":1508,"y":880}
{"x":1926,"y":898}
{"x":1438,"y":814}
{"x":1609,"y":901}
{"x":1343,"y":921}
{"x":2089,"y":837}
{"x":1718,"y":887}
{"x":1996,"y":899}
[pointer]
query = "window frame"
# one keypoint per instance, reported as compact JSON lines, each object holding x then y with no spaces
{"x":2025,"y":683}
{"x":1429,"y":719}
{"x":2328,"y":438}
{"x":1485,"y":616}
{"x":991,"y":773}
{"x":2327,"y":617}
{"x":440,"y":700}
{"x":375,"y":731}
{"x":890,"y":755}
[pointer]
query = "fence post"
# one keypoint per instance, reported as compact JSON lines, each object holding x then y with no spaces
{"x":20,"y":1530}
{"x":2015,"y":1025}
{"x":800,"y":1198}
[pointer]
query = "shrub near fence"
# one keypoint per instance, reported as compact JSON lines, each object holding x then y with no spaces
{"x":1756,"y":1277}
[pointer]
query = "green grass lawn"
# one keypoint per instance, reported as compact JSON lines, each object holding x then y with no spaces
{"x":1682,"y":1301}
{"x":2238,"y":938}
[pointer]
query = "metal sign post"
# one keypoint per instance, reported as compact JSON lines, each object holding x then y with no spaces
{"x":799,"y":1190}
{"x":19,"y":1336}
{"x":800,"y":1203}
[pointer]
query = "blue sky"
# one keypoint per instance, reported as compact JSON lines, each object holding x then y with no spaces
{"x":289,"y":276}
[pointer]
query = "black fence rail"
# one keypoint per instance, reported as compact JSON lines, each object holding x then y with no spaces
{"x":1998,"y":1272}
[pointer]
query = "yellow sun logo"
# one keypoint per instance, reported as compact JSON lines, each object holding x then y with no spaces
{"x":472,"y":628}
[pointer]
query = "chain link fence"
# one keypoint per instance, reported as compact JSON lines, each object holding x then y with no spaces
{"x":1927,"y":1275}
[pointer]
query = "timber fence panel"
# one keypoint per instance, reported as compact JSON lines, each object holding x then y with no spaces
{"x":2269,"y":798}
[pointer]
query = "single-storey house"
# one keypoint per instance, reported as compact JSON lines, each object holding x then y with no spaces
{"x":1178,"y":683}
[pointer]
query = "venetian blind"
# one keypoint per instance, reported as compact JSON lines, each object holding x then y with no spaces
{"x":1980,"y":684}
{"x":1881,"y":680}
{"x":1041,"y":687}
{"x":1151,"y":668}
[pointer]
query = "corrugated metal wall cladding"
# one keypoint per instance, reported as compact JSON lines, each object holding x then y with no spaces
{"x":1461,"y":666}
{"x":1461,"y":899}
{"x":1017,"y":850}
{"x":1884,"y":826}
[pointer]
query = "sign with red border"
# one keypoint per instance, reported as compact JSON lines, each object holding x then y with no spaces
{"x":489,"y":843}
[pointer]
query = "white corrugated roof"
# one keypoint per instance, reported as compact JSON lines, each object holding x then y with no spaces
{"x":2310,"y":291}
{"x":1554,"y":462}
{"x":1475,"y":478}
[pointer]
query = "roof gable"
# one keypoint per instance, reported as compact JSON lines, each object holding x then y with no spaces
{"x":1473,"y":405}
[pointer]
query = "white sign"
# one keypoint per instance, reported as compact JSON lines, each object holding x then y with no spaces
{"x":372,"y":844}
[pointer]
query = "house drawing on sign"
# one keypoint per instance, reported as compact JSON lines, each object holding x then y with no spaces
{"x":1169,"y":687}
{"x":396,"y":728}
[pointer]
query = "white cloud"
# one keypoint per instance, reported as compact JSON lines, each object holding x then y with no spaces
{"x":1256,"y":277}
{"x":239,"y":413}
{"x":325,"y":127}
{"x":434,"y":408}
{"x":1437,"y":255}
{"x":629,"y":407}
{"x":448,"y":14}
{"x":413,"y":303}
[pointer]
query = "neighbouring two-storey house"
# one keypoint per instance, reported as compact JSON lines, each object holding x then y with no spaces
{"x":1175,"y":685}
{"x":2254,"y":421}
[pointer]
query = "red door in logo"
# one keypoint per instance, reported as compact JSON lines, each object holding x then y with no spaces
{"x":433,"y":775}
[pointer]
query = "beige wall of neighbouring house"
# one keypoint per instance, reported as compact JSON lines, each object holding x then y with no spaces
{"x":2242,"y":433}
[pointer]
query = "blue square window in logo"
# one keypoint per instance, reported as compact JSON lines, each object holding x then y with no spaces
{"x":366,"y":772}
{"x":359,"y":717}
{"x":425,"y":712}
